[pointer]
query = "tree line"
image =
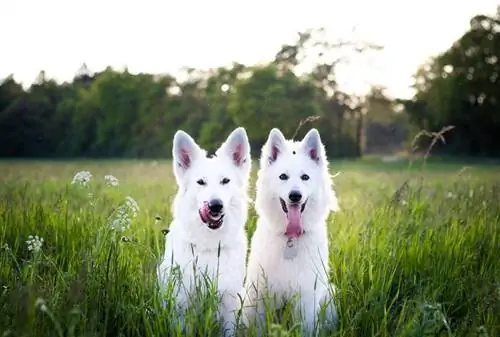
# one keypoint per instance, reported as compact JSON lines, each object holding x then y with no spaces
{"x":118,"y":114}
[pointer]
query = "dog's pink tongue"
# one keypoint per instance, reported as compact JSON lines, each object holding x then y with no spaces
{"x":204,"y":211}
{"x":294,"y":226}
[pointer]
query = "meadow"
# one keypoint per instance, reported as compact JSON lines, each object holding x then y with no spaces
{"x":414,"y":251}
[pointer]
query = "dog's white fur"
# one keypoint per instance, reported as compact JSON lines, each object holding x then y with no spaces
{"x":268,"y":272}
{"x":189,"y":240}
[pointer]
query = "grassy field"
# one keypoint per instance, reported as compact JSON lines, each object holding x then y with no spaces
{"x":409,"y":259}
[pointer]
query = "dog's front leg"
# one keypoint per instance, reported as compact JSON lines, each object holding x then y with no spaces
{"x":331,"y":315}
{"x":228,"y":310}
{"x":228,"y":323}
{"x":308,"y":310}
{"x":178,"y":320}
{"x":254,"y":313}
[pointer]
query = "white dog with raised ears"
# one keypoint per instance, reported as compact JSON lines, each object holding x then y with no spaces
{"x":207,"y":235}
{"x":289,"y":249}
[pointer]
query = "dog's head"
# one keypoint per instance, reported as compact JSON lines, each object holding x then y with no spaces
{"x":212,"y":189}
{"x":294,"y":186}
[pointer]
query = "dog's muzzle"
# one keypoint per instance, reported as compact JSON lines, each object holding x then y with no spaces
{"x":293,"y":211}
{"x":284,"y":205}
{"x":212,"y":213}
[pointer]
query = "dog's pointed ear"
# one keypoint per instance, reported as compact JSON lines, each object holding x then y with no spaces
{"x":184,"y":152}
{"x":237,"y":147}
{"x":312,"y":145}
{"x":275,"y":145}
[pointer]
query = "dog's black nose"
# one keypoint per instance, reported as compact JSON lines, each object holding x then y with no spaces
{"x":294,"y":196}
{"x":215,"y":205}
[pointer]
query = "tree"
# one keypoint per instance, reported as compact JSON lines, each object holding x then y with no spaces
{"x":460,"y":87}
{"x":119,"y":114}
{"x":385,"y":127}
{"x":219,"y":87}
{"x":269,"y":98}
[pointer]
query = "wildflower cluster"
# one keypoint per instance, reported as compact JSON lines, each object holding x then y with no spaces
{"x":41,"y":305}
{"x":82,"y":178}
{"x":34,"y":243}
{"x":124,"y":214}
{"x":122,"y":217}
{"x":110,"y":180}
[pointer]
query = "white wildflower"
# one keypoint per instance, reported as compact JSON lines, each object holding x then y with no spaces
{"x":124,"y":214}
{"x":40,"y":304}
{"x":132,"y":205}
{"x":111,"y":180}
{"x":451,"y":196}
{"x":34,"y":243}
{"x":82,"y":178}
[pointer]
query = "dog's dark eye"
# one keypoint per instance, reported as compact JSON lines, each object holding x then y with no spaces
{"x":224,"y":181}
{"x":304,"y":177}
{"x":283,"y":176}
{"x":201,"y":182}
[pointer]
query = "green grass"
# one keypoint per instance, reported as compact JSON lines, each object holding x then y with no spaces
{"x":428,"y":264}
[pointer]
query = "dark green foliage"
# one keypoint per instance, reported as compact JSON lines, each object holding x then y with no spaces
{"x":119,"y":114}
{"x":461,"y":87}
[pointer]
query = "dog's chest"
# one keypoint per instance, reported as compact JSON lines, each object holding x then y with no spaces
{"x":299,"y":270}
{"x":225,"y":266}
{"x":192,"y":261}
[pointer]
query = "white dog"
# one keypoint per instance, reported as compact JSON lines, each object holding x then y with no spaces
{"x":207,"y":235}
{"x":289,"y":249}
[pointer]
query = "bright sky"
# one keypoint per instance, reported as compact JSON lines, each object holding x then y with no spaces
{"x":160,"y":36}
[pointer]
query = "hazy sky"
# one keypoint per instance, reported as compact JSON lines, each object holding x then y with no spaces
{"x":161,"y":36}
